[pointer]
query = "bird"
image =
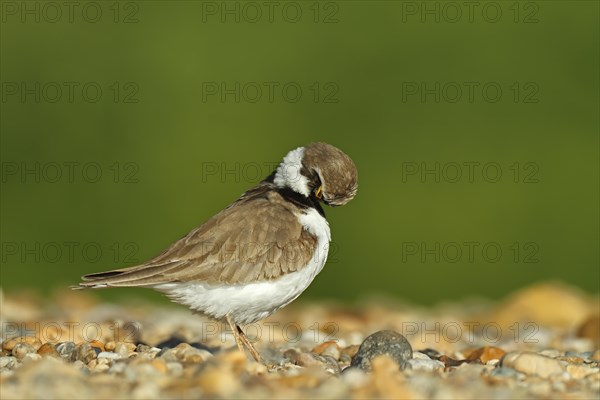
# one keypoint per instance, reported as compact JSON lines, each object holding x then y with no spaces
{"x":258,"y":254}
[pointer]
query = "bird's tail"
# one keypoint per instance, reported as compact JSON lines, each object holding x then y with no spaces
{"x":139,"y":275}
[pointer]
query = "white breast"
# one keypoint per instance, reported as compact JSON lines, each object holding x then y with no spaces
{"x":252,"y":302}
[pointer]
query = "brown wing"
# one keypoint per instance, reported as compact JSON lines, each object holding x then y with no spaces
{"x":257,"y":238}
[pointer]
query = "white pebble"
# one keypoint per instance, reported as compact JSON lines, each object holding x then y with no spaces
{"x":425,"y":365}
{"x":109,"y":355}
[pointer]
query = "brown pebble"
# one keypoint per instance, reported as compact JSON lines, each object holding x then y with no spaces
{"x":324,"y":347}
{"x":84,"y":353}
{"x":485,"y":354}
{"x":572,"y":359}
{"x":48,"y":350}
{"x":451,"y":362}
{"x":590,"y":329}
{"x":333,"y":351}
{"x":350,"y":350}
{"x":8,"y":345}
{"x":186,"y":353}
{"x":98,"y":344}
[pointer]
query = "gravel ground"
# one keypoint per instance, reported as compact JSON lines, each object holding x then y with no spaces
{"x":539,"y":342}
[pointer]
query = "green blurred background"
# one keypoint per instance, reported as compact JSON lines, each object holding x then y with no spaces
{"x":175,"y":139}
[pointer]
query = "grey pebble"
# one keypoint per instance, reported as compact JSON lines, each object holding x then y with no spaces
{"x":65,"y":349}
{"x":587,"y":355}
{"x":8,"y":362}
{"x":142,"y":348}
{"x":389,"y":343}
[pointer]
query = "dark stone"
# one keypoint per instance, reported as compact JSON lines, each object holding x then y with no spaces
{"x":173,"y":341}
{"x":431,"y":353}
{"x":389,"y":343}
{"x":451,"y":362}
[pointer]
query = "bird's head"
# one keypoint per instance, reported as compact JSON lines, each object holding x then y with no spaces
{"x":320,"y":170}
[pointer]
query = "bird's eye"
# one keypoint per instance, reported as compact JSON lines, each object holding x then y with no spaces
{"x":319,"y":192}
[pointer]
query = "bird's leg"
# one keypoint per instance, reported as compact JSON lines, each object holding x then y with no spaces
{"x":249,"y":346}
{"x":234,"y":330}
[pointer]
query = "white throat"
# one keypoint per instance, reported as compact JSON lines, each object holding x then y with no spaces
{"x":288,"y":173}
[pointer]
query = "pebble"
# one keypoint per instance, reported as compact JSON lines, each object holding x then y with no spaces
{"x":329,"y":348}
{"x":347,"y":353}
{"x":431,"y":353}
{"x":143,"y":348}
{"x":8,"y":362}
{"x":590,"y":329}
{"x":186,"y":353}
{"x":48,"y":350}
{"x":389,"y":343}
{"x":65,"y":350}
{"x":21,"y":349}
{"x":485,"y":354}
{"x":552,"y":353}
{"x":122,"y":350}
{"x":97,"y":345}
{"x":313,"y":360}
{"x":451,"y":362}
{"x":420,"y":356}
{"x":109,"y":355}
{"x":584,"y":355}
{"x":532,"y":364}
{"x":84,"y":353}
{"x":420,"y":364}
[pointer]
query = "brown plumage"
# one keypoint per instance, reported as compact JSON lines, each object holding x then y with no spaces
{"x":256,"y":238}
